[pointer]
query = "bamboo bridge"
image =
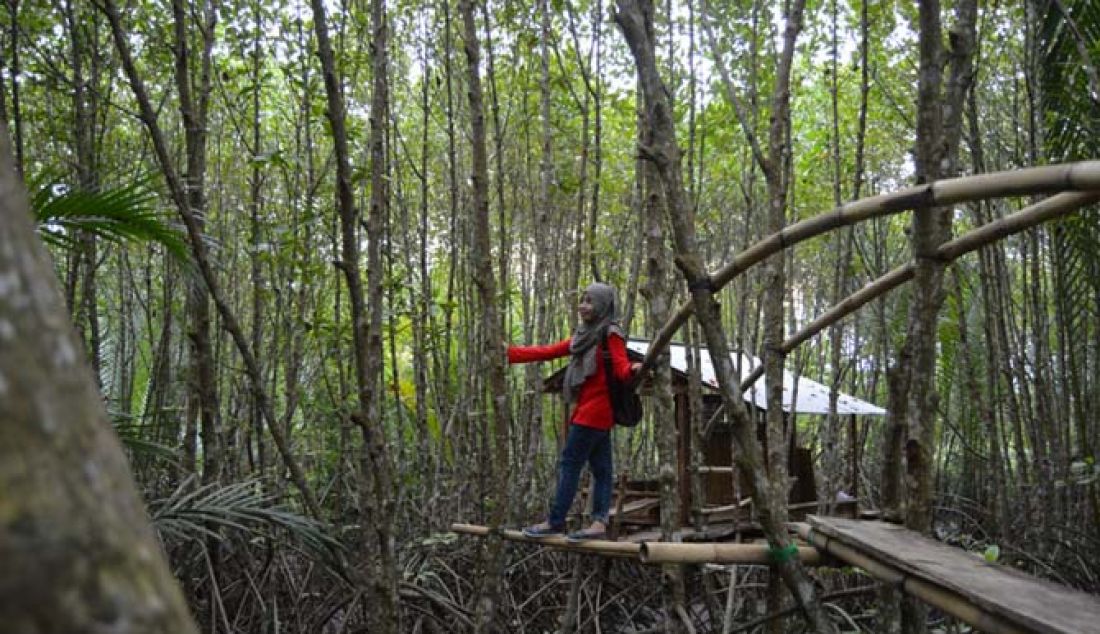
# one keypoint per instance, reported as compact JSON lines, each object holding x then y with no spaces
{"x":990,"y":597}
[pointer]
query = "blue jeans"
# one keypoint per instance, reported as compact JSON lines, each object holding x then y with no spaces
{"x":583,"y":444}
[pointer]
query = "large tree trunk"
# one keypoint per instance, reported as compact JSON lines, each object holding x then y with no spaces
{"x":78,"y":552}
{"x":939,"y":122}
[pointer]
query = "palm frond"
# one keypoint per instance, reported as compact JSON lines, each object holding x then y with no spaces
{"x":199,"y":512}
{"x":1069,"y":30}
{"x":126,"y":213}
{"x":133,"y":440}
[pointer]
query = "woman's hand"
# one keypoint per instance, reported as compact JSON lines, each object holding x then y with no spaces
{"x":635,"y":367}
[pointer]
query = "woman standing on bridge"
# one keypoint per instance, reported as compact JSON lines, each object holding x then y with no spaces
{"x":585,"y":389}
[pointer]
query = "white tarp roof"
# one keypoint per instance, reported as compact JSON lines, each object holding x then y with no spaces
{"x":813,"y":397}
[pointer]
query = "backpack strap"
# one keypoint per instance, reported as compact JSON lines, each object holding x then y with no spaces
{"x":608,"y":375}
{"x":606,"y":353}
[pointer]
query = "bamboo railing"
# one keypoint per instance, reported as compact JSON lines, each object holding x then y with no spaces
{"x":650,"y":552}
{"x":1048,"y":209}
{"x":1079,"y":180}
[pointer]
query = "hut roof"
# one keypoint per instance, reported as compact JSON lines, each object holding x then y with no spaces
{"x":813,"y":397}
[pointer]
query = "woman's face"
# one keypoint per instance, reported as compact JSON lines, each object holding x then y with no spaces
{"x":585,"y":309}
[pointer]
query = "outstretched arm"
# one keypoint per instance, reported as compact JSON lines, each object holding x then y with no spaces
{"x":527,"y":354}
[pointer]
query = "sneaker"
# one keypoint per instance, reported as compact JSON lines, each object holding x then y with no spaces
{"x":587,"y":534}
{"x":542,"y":530}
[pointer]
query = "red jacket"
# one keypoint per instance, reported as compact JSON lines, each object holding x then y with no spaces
{"x":593,"y":407}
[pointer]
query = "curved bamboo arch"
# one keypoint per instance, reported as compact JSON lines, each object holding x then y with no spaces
{"x":1078,"y":180}
{"x":1048,"y":209}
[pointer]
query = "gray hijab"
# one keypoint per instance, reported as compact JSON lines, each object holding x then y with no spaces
{"x":584,"y":361}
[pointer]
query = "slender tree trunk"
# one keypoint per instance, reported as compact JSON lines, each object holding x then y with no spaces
{"x":370,"y":393}
{"x":776,"y":169}
{"x":543,"y":269}
{"x":939,"y":117}
{"x":492,"y":350}
{"x":996,"y":479}
{"x":193,"y":109}
{"x":198,"y":251}
{"x":832,"y":474}
{"x":658,"y":294}
{"x":664,"y":152}
{"x":15,"y":74}
{"x":255,"y":194}
{"x":86,"y":256}
{"x":452,"y":189}
{"x":423,"y":329}
{"x":375,"y":477}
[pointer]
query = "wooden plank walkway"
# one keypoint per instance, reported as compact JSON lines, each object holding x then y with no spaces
{"x":1010,"y":600}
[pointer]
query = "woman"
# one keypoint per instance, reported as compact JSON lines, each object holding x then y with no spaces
{"x":585,"y":387}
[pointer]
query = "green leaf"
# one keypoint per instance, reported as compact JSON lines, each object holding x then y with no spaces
{"x":126,"y":213}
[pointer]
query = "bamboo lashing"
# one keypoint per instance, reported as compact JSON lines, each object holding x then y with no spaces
{"x":706,"y":469}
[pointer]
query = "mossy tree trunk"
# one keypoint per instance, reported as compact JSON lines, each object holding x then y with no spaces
{"x":77,"y":548}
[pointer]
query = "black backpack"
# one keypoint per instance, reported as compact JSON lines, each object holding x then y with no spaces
{"x":626,"y":405}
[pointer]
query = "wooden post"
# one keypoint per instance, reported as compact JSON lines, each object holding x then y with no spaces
{"x":683,"y":454}
{"x":617,"y":519}
{"x":853,"y":437}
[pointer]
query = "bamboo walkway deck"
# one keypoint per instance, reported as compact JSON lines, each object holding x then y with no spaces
{"x":991,"y":597}
{"x":994,"y":599}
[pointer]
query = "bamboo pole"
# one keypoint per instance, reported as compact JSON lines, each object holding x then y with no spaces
{"x":1069,"y":177}
{"x":650,"y":552}
{"x":935,"y":595}
{"x":716,"y":553}
{"x":596,"y":547}
{"x":1042,"y":211}
{"x":850,"y":304}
